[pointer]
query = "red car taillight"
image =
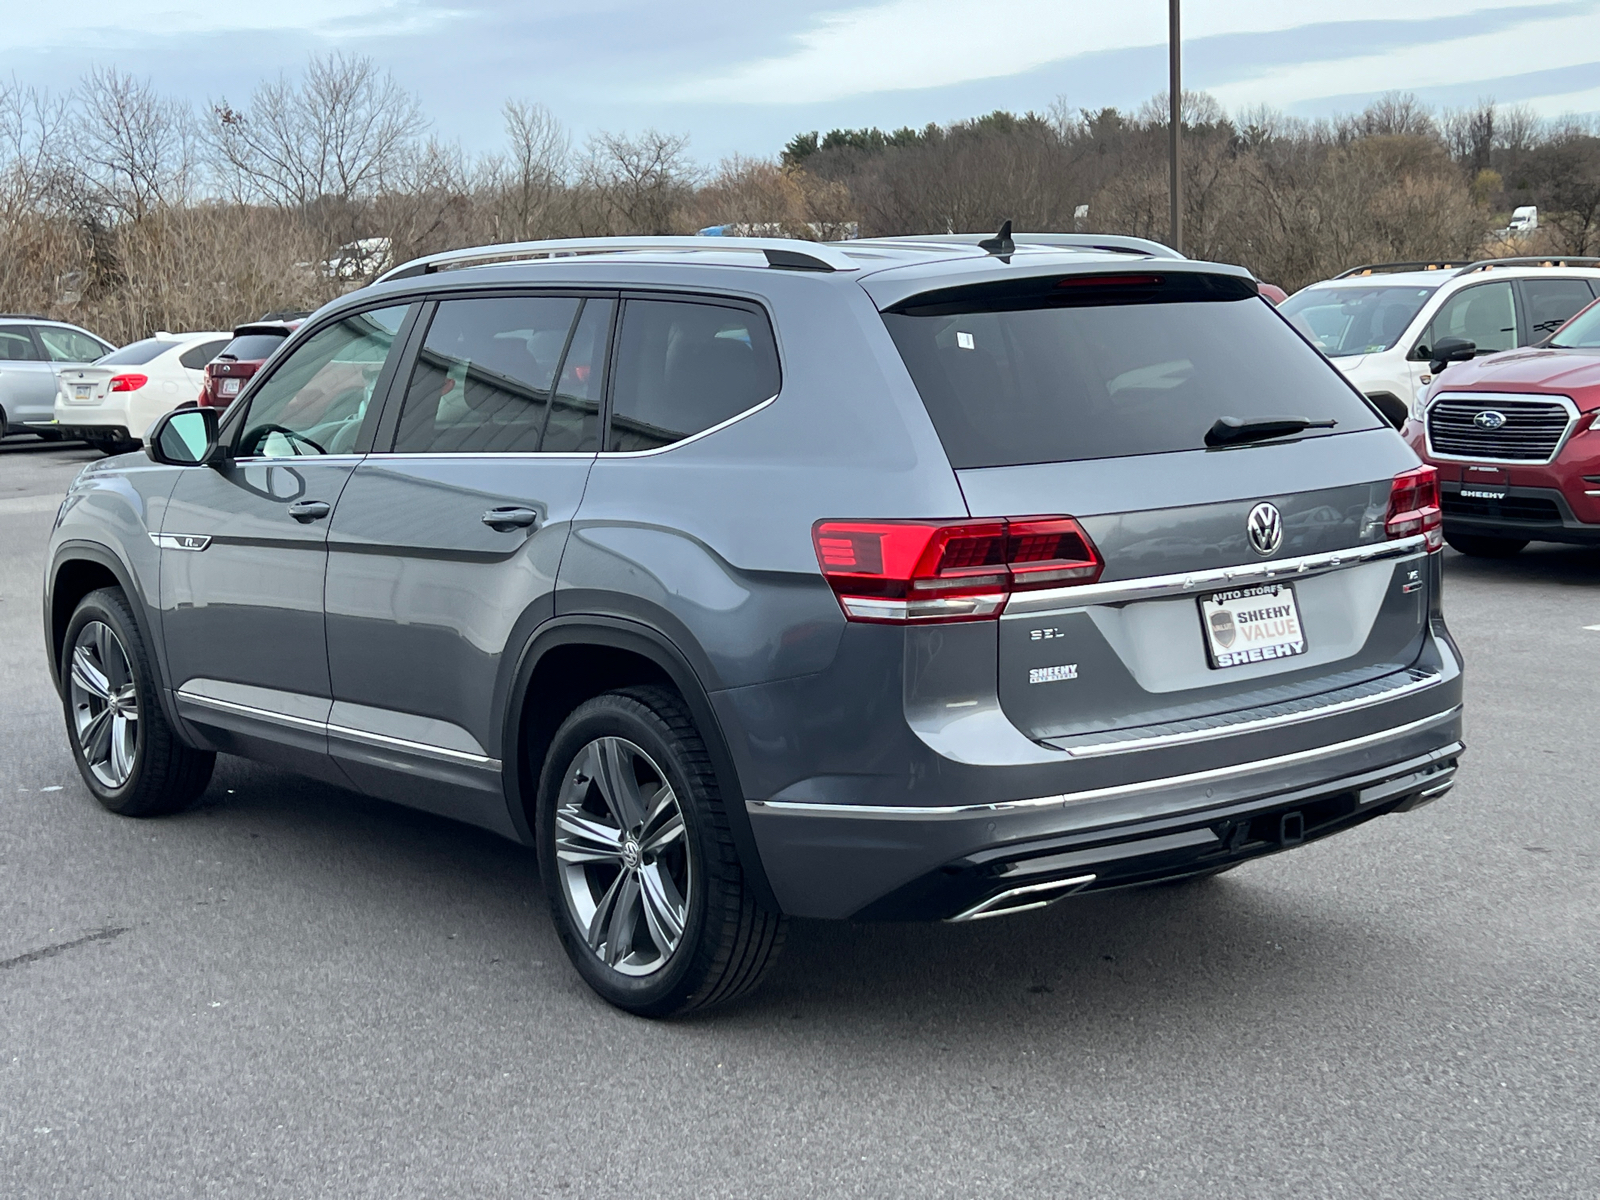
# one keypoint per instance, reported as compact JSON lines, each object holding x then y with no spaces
{"x":921,"y":571}
{"x":1414,"y":507}
{"x":128,"y":383}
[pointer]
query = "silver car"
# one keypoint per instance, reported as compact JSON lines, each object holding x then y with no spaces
{"x":32,"y":350}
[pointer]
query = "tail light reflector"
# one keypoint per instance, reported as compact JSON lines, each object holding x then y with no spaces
{"x":128,"y":383}
{"x":1414,"y":507}
{"x":921,"y":571}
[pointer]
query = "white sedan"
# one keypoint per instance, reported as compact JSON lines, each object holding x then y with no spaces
{"x":113,"y":402}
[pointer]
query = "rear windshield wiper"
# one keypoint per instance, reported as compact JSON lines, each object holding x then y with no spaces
{"x":1231,"y":431}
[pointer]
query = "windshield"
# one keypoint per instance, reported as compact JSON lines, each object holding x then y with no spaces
{"x":1580,"y":333}
{"x":252,"y":346}
{"x":137,"y":353}
{"x":1354,"y":319}
{"x":1038,"y":379}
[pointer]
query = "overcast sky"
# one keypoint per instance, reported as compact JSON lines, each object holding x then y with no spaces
{"x":743,"y":77}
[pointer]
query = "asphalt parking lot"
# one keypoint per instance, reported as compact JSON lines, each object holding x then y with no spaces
{"x":294,"y":991}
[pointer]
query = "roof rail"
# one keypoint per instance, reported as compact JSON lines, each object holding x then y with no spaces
{"x":1111,"y":242}
{"x":1547,"y":260}
{"x":1387,"y":268}
{"x":784,"y":253}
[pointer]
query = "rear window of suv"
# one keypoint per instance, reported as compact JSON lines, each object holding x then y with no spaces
{"x":252,"y":346}
{"x":1062,"y":369}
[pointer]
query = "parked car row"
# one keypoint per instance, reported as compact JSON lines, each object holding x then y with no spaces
{"x":32,"y":350}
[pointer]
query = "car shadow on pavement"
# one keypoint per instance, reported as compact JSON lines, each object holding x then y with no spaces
{"x":1253,"y":940}
{"x":1542,"y":562}
{"x":28,"y":444}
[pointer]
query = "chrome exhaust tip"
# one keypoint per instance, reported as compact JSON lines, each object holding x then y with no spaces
{"x":1023,"y":899}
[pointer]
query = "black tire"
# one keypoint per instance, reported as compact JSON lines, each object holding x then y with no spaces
{"x":166,"y":776}
{"x":1480,"y":545}
{"x":728,"y":940}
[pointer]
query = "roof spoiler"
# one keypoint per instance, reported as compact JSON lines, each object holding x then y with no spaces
{"x":789,"y":254}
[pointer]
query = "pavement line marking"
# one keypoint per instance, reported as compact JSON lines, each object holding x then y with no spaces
{"x":29,"y":504}
{"x":1596,"y":628}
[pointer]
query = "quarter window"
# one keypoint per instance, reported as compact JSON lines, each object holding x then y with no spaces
{"x":685,"y":366}
{"x":1484,"y":315}
{"x":508,"y":375}
{"x":314,"y":402}
{"x":69,"y":345}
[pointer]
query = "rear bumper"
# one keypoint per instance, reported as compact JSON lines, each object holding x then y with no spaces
{"x":962,"y":861}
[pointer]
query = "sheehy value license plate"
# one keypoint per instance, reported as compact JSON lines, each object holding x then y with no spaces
{"x":1250,"y":625}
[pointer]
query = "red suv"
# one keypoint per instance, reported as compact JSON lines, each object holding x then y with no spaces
{"x":1515,"y":440}
{"x":241,"y":358}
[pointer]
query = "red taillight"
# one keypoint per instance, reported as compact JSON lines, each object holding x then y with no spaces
{"x":128,"y":383}
{"x":1414,"y":507}
{"x":900,"y":571}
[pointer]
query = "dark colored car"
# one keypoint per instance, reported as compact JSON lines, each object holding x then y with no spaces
{"x":1513,"y":438}
{"x":891,"y":579}
{"x":240,"y":359}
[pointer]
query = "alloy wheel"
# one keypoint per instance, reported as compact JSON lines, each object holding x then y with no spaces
{"x":623,"y":856}
{"x":105,"y":704}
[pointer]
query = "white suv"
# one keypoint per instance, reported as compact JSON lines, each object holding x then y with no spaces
{"x":1378,"y":323}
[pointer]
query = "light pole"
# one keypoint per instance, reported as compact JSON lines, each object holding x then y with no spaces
{"x":1175,"y":121}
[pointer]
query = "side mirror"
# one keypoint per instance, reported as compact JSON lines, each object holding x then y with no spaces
{"x":186,"y":437}
{"x":1451,"y":349}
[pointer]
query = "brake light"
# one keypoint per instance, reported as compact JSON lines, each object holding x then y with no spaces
{"x":921,"y":571}
{"x":1414,"y":507}
{"x":128,"y":383}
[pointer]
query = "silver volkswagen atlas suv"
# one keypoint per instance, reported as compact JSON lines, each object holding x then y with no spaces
{"x":740,"y":578}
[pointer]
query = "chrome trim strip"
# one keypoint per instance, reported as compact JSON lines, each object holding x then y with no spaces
{"x":1488,"y":398}
{"x":693,"y":437}
{"x":394,"y":743}
{"x":967,"y":811}
{"x":986,"y":908}
{"x":1121,"y":591}
{"x":250,"y":710}
{"x":1256,"y":726}
{"x":355,"y":735}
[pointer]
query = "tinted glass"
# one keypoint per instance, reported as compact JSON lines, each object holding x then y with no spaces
{"x":253,"y":347}
{"x":575,"y":415}
{"x":483,"y":377}
{"x":315,"y":399}
{"x":68,"y":345}
{"x":683,"y":367}
{"x":136,"y":354}
{"x":1485,"y":315}
{"x":1027,"y":385}
{"x":196,"y":357}
{"x":1355,"y":318}
{"x":16,"y":345}
{"x":1549,"y":303}
{"x":1582,"y":332}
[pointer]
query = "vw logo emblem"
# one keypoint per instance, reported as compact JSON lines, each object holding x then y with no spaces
{"x":1489,"y":419}
{"x":1264,"y":526}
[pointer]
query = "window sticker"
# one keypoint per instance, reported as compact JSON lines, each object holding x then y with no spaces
{"x":965,"y":341}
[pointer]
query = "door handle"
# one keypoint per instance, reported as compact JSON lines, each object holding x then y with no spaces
{"x":503,"y":520}
{"x":306,"y":511}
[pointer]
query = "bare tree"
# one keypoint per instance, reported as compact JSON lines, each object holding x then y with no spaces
{"x":135,"y":147}
{"x":338,"y":135}
{"x":641,"y":184}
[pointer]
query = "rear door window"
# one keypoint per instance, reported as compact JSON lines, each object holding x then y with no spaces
{"x":1055,"y":370}
{"x":1550,"y":303}
{"x":508,"y":375}
{"x":685,"y":366}
{"x":69,"y":345}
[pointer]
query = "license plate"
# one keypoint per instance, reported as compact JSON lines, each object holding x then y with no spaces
{"x":82,"y":391}
{"x":1251,"y":625}
{"x":230,"y":387}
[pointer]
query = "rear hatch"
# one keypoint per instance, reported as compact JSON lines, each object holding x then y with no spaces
{"x":1093,"y":397}
{"x":241,"y":358}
